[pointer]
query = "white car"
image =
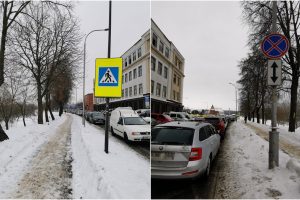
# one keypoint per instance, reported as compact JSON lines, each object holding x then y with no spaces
{"x":129,"y":125}
{"x":183,"y":150}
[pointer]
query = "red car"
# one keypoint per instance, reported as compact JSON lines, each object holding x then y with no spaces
{"x":218,"y":123}
{"x":161,"y":118}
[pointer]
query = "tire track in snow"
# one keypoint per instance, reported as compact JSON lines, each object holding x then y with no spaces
{"x":50,"y":174}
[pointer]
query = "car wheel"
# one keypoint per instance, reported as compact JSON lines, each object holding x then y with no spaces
{"x":208,"y":168}
{"x":126,"y":138}
{"x":112,"y":131}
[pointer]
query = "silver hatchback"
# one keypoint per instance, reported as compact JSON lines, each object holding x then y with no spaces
{"x":183,"y":149}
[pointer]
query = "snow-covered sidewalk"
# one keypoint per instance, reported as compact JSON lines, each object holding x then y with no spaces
{"x":247,"y":174}
{"x":18,"y":152}
{"x":123,"y":173}
{"x":289,"y":142}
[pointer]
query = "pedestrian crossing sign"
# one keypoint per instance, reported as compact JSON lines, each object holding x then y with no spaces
{"x":108,"y":77}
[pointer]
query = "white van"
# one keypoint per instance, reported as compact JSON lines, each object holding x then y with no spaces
{"x":128,"y":124}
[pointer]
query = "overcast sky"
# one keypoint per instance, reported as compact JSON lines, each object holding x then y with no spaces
{"x":130,"y":20}
{"x":212,"y":39}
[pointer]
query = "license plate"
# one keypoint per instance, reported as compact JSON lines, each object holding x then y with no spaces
{"x":162,"y":155}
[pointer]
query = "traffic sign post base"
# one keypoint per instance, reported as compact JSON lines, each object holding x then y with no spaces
{"x":273,"y":149}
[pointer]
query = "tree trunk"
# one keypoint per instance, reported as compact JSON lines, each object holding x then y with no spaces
{"x":253,"y":116}
{"x":61,"y":108}
{"x":257,"y":116}
{"x":49,"y":108}
{"x":24,"y":113}
{"x":3,"y":135}
{"x":6,"y":124}
{"x":40,"y":105}
{"x":46,"y":110}
{"x":293,"y":106}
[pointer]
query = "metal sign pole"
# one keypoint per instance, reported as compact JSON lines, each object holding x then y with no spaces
{"x":273,"y":134}
{"x":107,"y":99}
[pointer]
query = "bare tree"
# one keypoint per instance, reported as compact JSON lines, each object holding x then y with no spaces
{"x":42,"y":42}
{"x":258,"y":16}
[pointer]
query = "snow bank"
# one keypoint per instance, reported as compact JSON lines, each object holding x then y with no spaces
{"x":22,"y":146}
{"x":123,"y":173}
{"x":293,"y":165}
{"x":248,"y":154}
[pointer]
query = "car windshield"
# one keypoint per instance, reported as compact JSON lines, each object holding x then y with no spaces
{"x":97,"y":114}
{"x":134,"y":121}
{"x":172,"y":135}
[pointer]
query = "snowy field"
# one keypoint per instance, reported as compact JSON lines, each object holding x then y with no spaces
{"x":18,"y":152}
{"x":249,"y":176}
{"x":123,"y":173}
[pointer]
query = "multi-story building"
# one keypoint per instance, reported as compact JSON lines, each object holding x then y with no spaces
{"x":167,"y":73}
{"x":89,"y":102}
{"x":136,"y":77}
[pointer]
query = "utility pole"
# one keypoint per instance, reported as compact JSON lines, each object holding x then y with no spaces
{"x":107,"y":98}
{"x":274,"y":134}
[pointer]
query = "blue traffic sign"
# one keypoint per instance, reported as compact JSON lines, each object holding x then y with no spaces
{"x":108,"y":76}
{"x":275,"y":45}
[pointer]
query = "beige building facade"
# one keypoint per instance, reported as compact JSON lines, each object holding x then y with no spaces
{"x":167,"y":73}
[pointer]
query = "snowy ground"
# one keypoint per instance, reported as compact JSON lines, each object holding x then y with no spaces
{"x":247,"y":174}
{"x":123,"y":173}
{"x":37,"y":162}
{"x":18,"y":152}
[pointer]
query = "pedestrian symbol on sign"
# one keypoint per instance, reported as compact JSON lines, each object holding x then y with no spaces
{"x":108,"y":76}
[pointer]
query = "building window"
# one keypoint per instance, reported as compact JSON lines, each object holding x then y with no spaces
{"x":141,"y":88}
{"x":135,"y":90}
{"x":178,"y":96}
{"x":167,"y":53}
{"x":165,"y":72}
{"x":161,"y":47}
{"x":159,"y":68}
{"x":152,"y":87}
{"x":140,"y":71}
{"x":164,"y":92}
{"x":125,"y":62}
{"x":130,"y":75}
{"x":122,"y":78}
{"x":154,"y":40}
{"x":174,"y":95}
{"x":174,"y":79}
{"x":130,"y":91}
{"x":133,"y":56}
{"x":179,"y":80}
{"x":129,"y":59}
{"x":126,"y":78}
{"x":134,"y":73}
{"x":158,"y":88}
{"x":153,"y":63}
{"x":123,"y":93}
{"x":139,"y":52}
{"x":126,"y":92}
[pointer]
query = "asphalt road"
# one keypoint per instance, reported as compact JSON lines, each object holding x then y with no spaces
{"x":194,"y":189}
{"x":142,"y":148}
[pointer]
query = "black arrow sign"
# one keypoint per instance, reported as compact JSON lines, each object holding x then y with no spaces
{"x":274,"y":77}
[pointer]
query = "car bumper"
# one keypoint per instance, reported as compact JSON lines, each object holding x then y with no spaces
{"x":193,"y":170}
{"x":139,"y":138}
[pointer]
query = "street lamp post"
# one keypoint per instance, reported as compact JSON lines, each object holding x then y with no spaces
{"x":83,"y":90}
{"x":236,"y":101}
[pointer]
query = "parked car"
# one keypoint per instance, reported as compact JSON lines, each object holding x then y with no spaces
{"x":182,"y":150}
{"x":218,"y":123}
{"x":129,"y":125}
{"x":145,"y":114}
{"x":180,"y":116}
{"x":97,"y":118}
{"x":161,"y":118}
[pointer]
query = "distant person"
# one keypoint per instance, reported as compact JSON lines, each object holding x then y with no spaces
{"x":245,"y":118}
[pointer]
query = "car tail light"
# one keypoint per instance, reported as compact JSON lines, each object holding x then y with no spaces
{"x":196,"y":154}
